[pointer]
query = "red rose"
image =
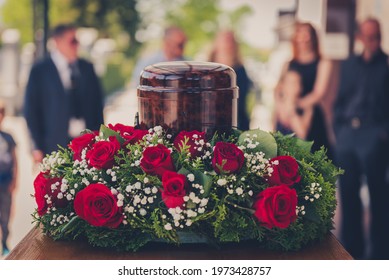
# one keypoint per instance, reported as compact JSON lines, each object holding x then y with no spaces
{"x":276,"y":206}
{"x":156,"y":160}
{"x":192,"y":140}
{"x":285,"y":171}
{"x":78,"y":144}
{"x":97,"y":205}
{"x":227,"y":157}
{"x":102,"y":154}
{"x":174,"y":189}
{"x":130,"y":134}
{"x":45,"y":195}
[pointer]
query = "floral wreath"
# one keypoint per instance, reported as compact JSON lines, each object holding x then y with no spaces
{"x":123,"y":187}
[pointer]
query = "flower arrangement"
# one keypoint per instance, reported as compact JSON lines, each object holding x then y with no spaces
{"x":123,"y":187}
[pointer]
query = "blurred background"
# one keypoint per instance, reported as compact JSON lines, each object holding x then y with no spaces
{"x":116,"y":33}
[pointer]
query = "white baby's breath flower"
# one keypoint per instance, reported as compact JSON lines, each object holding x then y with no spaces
{"x":120,"y":196}
{"x":239,"y":191}
{"x":168,"y":226}
{"x":222,"y":182}
{"x":191,"y":177}
{"x":142,"y":212}
{"x":147,"y":190}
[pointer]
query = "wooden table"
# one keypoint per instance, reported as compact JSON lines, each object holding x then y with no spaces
{"x":36,"y":246}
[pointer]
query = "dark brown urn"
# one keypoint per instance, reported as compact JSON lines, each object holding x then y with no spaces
{"x":188,"y":95}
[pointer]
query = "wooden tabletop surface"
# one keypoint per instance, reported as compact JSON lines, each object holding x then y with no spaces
{"x":37,"y":246}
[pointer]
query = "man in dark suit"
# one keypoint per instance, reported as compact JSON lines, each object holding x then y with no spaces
{"x":361,"y":123}
{"x":63,"y":95}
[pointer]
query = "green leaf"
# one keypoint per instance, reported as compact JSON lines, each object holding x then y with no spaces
{"x":304,"y":145}
{"x":70,"y":225}
{"x":266,"y":142}
{"x":107,"y":132}
{"x":200,"y":178}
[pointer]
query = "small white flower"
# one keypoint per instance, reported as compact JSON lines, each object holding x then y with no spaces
{"x":191,"y":177}
{"x":222,"y":182}
{"x":69,"y":196}
{"x":239,"y":191}
{"x":168,"y":226}
{"x":204,"y":202}
{"x":142,"y":212}
{"x":59,"y":195}
{"x":145,"y":180}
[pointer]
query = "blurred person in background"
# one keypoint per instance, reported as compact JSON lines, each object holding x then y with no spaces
{"x":288,"y":117}
{"x":226,"y":51}
{"x":173,"y":47}
{"x":361,"y":124}
{"x":8,"y":175}
{"x":63,"y":95}
{"x":315,"y":75}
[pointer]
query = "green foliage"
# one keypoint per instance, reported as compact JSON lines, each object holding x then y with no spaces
{"x":266,"y":142}
{"x":217,"y":207}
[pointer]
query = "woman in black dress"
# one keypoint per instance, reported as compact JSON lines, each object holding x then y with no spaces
{"x":315,"y":72}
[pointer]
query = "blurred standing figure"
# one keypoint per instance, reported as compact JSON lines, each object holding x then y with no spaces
{"x":173,"y":46}
{"x":287,"y":116}
{"x":361,"y":123}
{"x":315,"y":73}
{"x":226,"y":51}
{"x":8,"y":174}
{"x":63,"y":95}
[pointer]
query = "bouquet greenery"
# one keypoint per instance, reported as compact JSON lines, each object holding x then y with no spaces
{"x":123,"y":187}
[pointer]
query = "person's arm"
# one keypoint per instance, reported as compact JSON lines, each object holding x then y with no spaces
{"x":12,"y":186}
{"x":300,"y":124}
{"x":277,"y":88}
{"x":320,"y":87}
{"x":33,"y":114}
